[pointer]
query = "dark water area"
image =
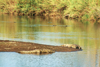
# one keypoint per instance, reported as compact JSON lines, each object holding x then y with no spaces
{"x":50,"y":32}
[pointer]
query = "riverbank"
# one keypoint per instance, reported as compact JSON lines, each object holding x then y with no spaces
{"x":83,"y":10}
{"x":15,"y":46}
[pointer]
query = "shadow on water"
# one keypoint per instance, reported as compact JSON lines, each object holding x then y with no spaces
{"x":54,"y":32}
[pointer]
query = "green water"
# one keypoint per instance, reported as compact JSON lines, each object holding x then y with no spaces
{"x":50,"y":32}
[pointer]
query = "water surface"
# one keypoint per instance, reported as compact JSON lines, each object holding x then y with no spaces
{"x":50,"y":32}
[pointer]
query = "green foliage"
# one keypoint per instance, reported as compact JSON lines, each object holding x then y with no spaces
{"x":8,"y":6}
{"x":83,"y":9}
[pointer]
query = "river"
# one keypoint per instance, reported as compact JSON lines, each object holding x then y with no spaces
{"x":50,"y":32}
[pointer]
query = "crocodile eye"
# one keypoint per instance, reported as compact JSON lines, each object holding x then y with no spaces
{"x":80,"y":48}
{"x":77,"y":47}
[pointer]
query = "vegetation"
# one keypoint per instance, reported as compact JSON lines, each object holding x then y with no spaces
{"x":88,"y":10}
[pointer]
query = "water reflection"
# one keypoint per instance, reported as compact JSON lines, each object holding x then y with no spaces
{"x":58,"y":59}
{"x":53,"y":60}
{"x":50,"y":32}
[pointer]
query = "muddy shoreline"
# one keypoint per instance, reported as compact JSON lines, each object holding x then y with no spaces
{"x":15,"y":46}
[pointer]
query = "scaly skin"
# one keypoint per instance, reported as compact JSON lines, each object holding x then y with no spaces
{"x":37,"y":51}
